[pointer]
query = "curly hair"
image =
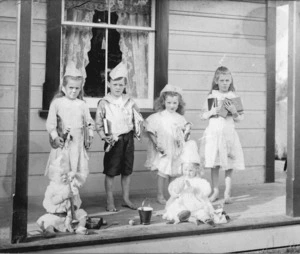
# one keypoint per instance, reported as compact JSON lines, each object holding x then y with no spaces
{"x":159,"y":104}
{"x":66,"y":79}
{"x":222,"y":70}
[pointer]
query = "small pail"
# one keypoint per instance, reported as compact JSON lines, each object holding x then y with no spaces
{"x":145,"y":213}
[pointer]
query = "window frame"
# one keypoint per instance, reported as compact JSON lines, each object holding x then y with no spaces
{"x":53,"y":52}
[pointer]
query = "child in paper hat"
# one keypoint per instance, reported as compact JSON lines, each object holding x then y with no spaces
{"x":166,"y":131}
{"x":189,"y":193}
{"x":115,"y":125}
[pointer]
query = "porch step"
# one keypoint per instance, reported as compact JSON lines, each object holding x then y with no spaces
{"x":237,"y":236}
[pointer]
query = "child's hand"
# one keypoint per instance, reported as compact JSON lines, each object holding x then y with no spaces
{"x":214,"y":111}
{"x":58,"y":141}
{"x":108,"y":139}
{"x":101,"y":106}
{"x":159,"y":148}
{"x":230,"y":107}
{"x":89,"y":142}
{"x":71,"y":176}
{"x":67,"y":195}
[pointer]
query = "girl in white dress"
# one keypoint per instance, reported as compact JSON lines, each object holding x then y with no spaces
{"x":220,"y":145}
{"x":69,"y":107}
{"x":165,"y":130}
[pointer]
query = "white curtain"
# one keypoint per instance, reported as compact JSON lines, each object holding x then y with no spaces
{"x":133,"y":44}
{"x":76,"y":41}
{"x":134,"y":48}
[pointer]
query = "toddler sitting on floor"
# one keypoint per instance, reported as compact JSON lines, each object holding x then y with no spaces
{"x":60,"y":197}
{"x":189,"y":193}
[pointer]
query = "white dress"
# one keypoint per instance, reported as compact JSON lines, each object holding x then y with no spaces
{"x":73,"y":114}
{"x":168,"y":129}
{"x":220,"y":144}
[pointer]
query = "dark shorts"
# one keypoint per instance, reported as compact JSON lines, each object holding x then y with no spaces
{"x":119,"y":160}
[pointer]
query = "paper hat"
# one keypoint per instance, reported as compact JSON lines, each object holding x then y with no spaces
{"x":190,"y":152}
{"x":71,"y":70}
{"x":120,"y":71}
{"x":171,"y":88}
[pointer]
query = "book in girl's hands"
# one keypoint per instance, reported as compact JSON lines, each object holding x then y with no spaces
{"x":237,"y":102}
{"x":212,"y":102}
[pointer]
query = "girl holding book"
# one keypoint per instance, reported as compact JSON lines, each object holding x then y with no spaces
{"x":220,"y":146}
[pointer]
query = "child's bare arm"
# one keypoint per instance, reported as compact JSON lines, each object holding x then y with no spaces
{"x":155,"y":142}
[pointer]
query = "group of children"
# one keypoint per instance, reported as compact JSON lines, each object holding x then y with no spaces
{"x":176,"y":159}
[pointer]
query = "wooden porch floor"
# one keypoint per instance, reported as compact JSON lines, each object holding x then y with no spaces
{"x":255,"y":206}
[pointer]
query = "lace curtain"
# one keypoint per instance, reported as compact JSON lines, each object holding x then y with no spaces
{"x":76,"y":42}
{"x":133,"y":44}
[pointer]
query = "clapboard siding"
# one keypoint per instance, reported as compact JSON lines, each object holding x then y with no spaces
{"x":179,"y":60}
{"x":7,"y":51}
{"x":8,"y":29}
{"x":201,"y":80}
{"x":8,"y":9}
{"x":210,"y":43}
{"x":7,"y":119}
{"x":235,"y":9}
{"x":7,"y":95}
{"x":7,"y":73}
{"x":6,"y":141}
{"x":37,"y":75}
{"x":6,"y":164}
{"x":221,"y":24}
{"x":38,"y":54}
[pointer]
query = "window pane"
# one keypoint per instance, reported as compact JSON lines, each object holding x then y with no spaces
{"x":132,"y":12}
{"x":95,"y":69}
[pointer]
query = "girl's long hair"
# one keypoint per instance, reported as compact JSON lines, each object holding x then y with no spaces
{"x":159,"y":104}
{"x":222,"y":70}
{"x":66,"y":79}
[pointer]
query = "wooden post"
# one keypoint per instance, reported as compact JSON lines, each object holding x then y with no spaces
{"x":22,"y":110}
{"x":53,"y":52}
{"x":161,"y":46}
{"x":271,"y":90}
{"x":293,"y":143}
